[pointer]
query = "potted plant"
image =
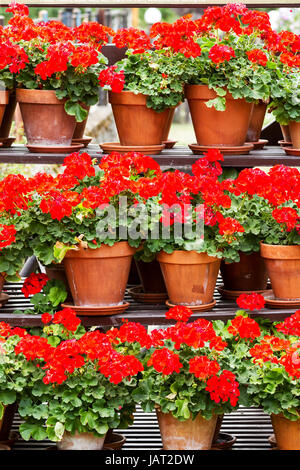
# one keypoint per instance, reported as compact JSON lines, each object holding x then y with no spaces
{"x":71,"y":385}
{"x":194,"y":233}
{"x":145,"y":88}
{"x":80,"y":218}
{"x":184,"y":381}
{"x":58,"y":82}
{"x":226,"y":70}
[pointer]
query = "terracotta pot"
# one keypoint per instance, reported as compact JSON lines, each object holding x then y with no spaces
{"x":191,"y":434}
{"x":137,"y":124}
{"x":7,"y":421}
{"x":190,"y":277}
{"x":287,"y":432}
{"x":294,"y":127}
{"x":80,"y":126}
{"x":44,"y":117}
{"x":133,"y":278}
{"x":283,"y":265}
{"x":4,"y":99}
{"x":98,"y":277}
{"x":249,"y":274}
{"x":151,"y":277}
{"x":221,"y":128}
{"x":285,"y":129}
{"x":8,"y":115}
{"x":80,"y":441}
{"x":256,"y":122}
{"x":168,"y":124}
{"x":218,"y":427}
{"x":114,"y":440}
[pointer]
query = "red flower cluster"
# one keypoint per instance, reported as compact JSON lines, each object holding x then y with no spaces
{"x":287,"y":216}
{"x":221,"y":53}
{"x":7,"y":235}
{"x":202,"y":367}
{"x":109,"y":77}
{"x":245,"y":327}
{"x":291,"y":325}
{"x":179,"y":313}
{"x":34,"y":283}
{"x":223,"y":388}
{"x":165,"y":361}
{"x":67,"y":317}
{"x":79,"y":165}
{"x":132,"y":38}
{"x":257,"y":56}
{"x":251,"y":302}
{"x":94,"y":33}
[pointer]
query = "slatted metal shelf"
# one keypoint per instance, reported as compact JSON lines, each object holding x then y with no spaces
{"x":178,"y":157}
{"x":250,"y":426}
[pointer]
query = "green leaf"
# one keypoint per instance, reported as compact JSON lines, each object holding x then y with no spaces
{"x":74,"y":109}
{"x":8,"y":397}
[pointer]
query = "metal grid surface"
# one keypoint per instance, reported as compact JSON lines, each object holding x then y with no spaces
{"x":250,"y":426}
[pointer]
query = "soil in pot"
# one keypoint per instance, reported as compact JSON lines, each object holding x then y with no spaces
{"x":283,"y":266}
{"x":137,"y":125}
{"x":190,"y":434}
{"x":287,"y":432}
{"x":98,"y":277}
{"x":249,"y":274}
{"x":45,"y":119}
{"x":220,"y":128}
{"x":190,"y":277}
{"x":151,"y":277}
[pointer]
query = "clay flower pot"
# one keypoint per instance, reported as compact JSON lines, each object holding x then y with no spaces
{"x":45,"y":119}
{"x":4,"y":99}
{"x":7,"y":421}
{"x":190,"y":434}
{"x":285,"y":129}
{"x":168,"y":125}
{"x":294,"y":127}
{"x":283,"y":266}
{"x":80,"y":441}
{"x":221,"y":128}
{"x":137,"y":125}
{"x":2,"y":281}
{"x":190,"y":277}
{"x":287,"y":432}
{"x":8,"y":115}
{"x":151,"y":277}
{"x":98,"y":277}
{"x":256,"y":122}
{"x":249,"y":274}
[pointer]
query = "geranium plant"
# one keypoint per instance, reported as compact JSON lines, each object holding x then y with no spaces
{"x":182,"y":373}
{"x":66,"y":380}
{"x":51,"y":59}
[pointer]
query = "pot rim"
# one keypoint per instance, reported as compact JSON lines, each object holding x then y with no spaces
{"x":118,"y":250}
{"x":203,"y":92}
{"x":4,"y":97}
{"x":33,"y":96}
{"x":186,"y":257}
{"x":127,"y":98}
{"x":279,"y":251}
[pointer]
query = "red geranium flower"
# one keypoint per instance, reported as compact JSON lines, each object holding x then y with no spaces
{"x":179,"y":313}
{"x":34,"y":283}
{"x":252,"y":301}
{"x":165,"y":361}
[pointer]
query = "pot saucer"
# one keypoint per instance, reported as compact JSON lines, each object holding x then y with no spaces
{"x":108,"y":147}
{"x":98,"y":311}
{"x":273,"y":302}
{"x":115,"y":441}
{"x":234,"y":294}
{"x":225,"y":150}
{"x":195,"y":308}
{"x":3,"y":299}
{"x":169,"y":144}
{"x":85,"y":141}
{"x":224,"y":441}
{"x":7,"y":142}
{"x":291,"y":151}
{"x":36,"y":148}
{"x":259,"y":144}
{"x":137,"y":294}
{"x":283,"y":143}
